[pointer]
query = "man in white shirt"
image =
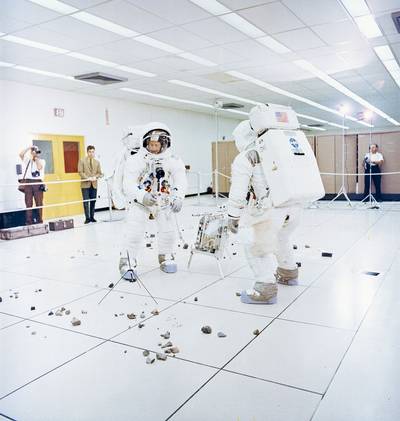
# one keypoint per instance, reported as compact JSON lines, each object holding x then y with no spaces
{"x":372,"y":162}
{"x":33,"y":172}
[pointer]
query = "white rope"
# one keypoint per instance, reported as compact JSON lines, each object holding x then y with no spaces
{"x":47,"y":182}
{"x":361,"y":173}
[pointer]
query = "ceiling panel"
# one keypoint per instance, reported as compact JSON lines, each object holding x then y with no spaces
{"x":181,"y":38}
{"x":126,"y":14}
{"x":272,"y":18}
{"x":386,"y":24}
{"x":243,"y":4}
{"x":251,"y":49}
{"x":175,"y":11}
{"x":219,"y":55}
{"x":382,"y":5}
{"x":26,"y":11}
{"x":83,"y":4}
{"x":20,"y":54}
{"x":299,"y":39}
{"x":88,"y":34}
{"x":215,"y":31}
{"x":344,"y":32}
{"x":8,"y":24}
{"x":313,"y":12}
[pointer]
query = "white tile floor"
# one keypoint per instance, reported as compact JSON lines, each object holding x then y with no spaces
{"x":328,"y":350}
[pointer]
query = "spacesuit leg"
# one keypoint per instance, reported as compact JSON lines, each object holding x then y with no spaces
{"x":166,"y":233}
{"x":259,"y":252}
{"x":135,"y":224}
{"x":287,"y":271}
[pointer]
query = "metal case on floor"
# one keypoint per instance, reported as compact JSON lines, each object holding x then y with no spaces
{"x":61,"y":224}
{"x":25,"y":231}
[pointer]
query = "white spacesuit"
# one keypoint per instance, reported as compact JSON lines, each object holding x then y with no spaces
{"x":154,"y":184}
{"x":131,"y":143}
{"x":266,"y":197}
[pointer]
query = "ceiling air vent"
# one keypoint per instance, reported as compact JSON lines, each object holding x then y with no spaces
{"x":396,"y":20}
{"x":100,"y":78}
{"x":219,"y":103}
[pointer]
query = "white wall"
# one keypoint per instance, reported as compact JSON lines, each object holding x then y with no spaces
{"x":26,"y":109}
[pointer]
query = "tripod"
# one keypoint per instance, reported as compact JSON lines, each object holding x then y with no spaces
{"x":342,"y":191}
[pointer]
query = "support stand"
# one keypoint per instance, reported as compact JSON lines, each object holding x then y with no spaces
{"x":342,"y":191}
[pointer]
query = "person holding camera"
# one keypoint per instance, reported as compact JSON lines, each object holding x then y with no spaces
{"x":372,"y":163}
{"x":89,"y":169}
{"x":33,"y":170}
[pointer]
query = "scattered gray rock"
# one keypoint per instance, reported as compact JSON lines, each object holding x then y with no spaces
{"x":111,"y":285}
{"x":307,"y":246}
{"x":58,"y":313}
{"x":67,"y":312}
{"x":131,"y":316}
{"x":206,"y":329}
{"x":33,"y":333}
{"x":75,"y":321}
{"x":62,"y":309}
{"x":221,"y":335}
{"x":83,"y":311}
{"x":150,"y":359}
{"x":238,"y":294}
{"x":33,"y":308}
{"x":140,"y":325}
{"x":1,"y":299}
{"x":256,"y":332}
{"x":155,"y":312}
{"x":172,"y":350}
{"x":166,"y":335}
{"x":146,"y":353}
{"x":196,"y":299}
{"x":50,"y":313}
{"x":161,"y":357}
{"x":167,"y":345}
{"x":142,"y":315}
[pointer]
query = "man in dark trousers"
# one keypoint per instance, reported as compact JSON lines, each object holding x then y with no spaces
{"x":372,"y":163}
{"x":89,"y":169}
{"x":33,"y":172}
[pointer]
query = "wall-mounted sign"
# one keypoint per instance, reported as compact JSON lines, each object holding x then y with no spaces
{"x":58,"y":112}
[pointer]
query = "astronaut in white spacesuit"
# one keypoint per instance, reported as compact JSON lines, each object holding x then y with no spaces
{"x":154,"y":185}
{"x":269,"y":227}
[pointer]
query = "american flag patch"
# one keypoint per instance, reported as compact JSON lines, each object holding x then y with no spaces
{"x":281,"y":117}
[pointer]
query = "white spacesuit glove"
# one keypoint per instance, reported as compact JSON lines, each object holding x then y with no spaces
{"x":233,"y":224}
{"x":149,"y":199}
{"x":176,"y":205}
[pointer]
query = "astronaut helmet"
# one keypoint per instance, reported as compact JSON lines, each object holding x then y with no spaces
{"x":244,"y":135}
{"x":258,"y":118}
{"x":156,"y":133}
{"x":132,"y":139}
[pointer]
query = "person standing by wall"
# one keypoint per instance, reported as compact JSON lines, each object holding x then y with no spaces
{"x":372,"y":163}
{"x":89,"y":169}
{"x":33,"y":172}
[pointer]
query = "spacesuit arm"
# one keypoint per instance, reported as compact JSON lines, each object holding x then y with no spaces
{"x":242,"y":171}
{"x":130,"y":183}
{"x":179,"y":177}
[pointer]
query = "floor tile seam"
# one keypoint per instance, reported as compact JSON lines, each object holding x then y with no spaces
{"x":316,"y":324}
{"x":7,"y":417}
{"x":52,"y":308}
{"x":334,"y":263}
{"x":52,"y":370}
{"x":3,"y":291}
{"x":349,"y":346}
{"x":215,"y":374}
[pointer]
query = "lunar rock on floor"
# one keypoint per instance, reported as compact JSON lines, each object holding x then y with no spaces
{"x":206,"y":329}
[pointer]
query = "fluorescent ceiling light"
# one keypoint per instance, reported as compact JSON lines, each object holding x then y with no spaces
{"x":91,"y":59}
{"x":42,"y":72}
{"x":341,"y":88}
{"x":368,"y":26}
{"x":356,"y":7}
{"x":384,"y":52}
{"x":274,"y":45}
{"x":34,"y":44}
{"x":158,"y":44}
{"x":197,"y":59}
{"x":242,"y":25}
{"x":104,"y":24}
{"x":135,"y":71}
{"x":56,"y":5}
{"x":391,"y":65}
{"x":167,"y":97}
{"x":312,"y":128}
{"x":308,"y":117}
{"x":5,"y":64}
{"x":211,"y":91}
{"x":180,"y":100}
{"x":212,"y":6}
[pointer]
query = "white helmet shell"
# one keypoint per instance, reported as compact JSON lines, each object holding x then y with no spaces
{"x":243,"y":135}
{"x":258,"y":116}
